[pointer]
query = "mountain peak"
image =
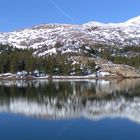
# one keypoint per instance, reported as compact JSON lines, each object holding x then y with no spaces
{"x":135,"y":20}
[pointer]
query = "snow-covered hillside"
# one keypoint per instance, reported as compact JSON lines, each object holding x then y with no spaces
{"x":44,"y":37}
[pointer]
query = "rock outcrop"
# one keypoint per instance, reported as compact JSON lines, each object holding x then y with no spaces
{"x":120,"y":70}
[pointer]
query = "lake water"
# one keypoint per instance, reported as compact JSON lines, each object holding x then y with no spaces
{"x":70,"y":110}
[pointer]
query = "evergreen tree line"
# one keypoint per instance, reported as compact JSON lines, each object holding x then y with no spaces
{"x":131,"y":61}
{"x":107,"y":51}
{"x":13,"y":60}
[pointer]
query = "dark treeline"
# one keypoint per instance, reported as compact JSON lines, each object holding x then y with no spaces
{"x":120,"y":56}
{"x":131,"y":61}
{"x":13,"y":60}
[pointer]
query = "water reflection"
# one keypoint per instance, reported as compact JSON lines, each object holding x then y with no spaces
{"x":93,"y":99}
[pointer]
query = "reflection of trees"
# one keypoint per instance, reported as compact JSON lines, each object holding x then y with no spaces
{"x":60,"y":99}
{"x":61,"y":90}
{"x":85,"y":90}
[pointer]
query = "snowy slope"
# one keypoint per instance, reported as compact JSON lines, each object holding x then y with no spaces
{"x":44,"y":37}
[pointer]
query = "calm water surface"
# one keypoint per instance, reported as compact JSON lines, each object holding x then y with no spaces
{"x":70,"y":110}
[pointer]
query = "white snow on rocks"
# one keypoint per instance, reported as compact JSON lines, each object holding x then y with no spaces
{"x":120,"y":34}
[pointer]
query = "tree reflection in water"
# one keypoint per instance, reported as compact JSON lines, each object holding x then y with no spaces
{"x":91,"y":99}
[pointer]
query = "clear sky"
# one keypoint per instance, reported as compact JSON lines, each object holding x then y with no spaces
{"x":18,"y":14}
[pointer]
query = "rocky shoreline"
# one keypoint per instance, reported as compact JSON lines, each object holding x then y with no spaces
{"x":104,"y":71}
{"x":68,"y":78}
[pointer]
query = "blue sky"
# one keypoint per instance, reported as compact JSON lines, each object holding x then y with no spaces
{"x":18,"y":14}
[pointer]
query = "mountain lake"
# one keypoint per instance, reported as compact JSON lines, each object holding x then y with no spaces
{"x":70,"y":110}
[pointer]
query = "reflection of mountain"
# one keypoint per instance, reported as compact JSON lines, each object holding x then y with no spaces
{"x":61,"y":100}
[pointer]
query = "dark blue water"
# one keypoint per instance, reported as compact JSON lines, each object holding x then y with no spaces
{"x":14,"y":127}
{"x":18,"y":123}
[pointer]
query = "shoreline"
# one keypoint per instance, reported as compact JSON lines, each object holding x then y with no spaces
{"x":69,"y":78}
